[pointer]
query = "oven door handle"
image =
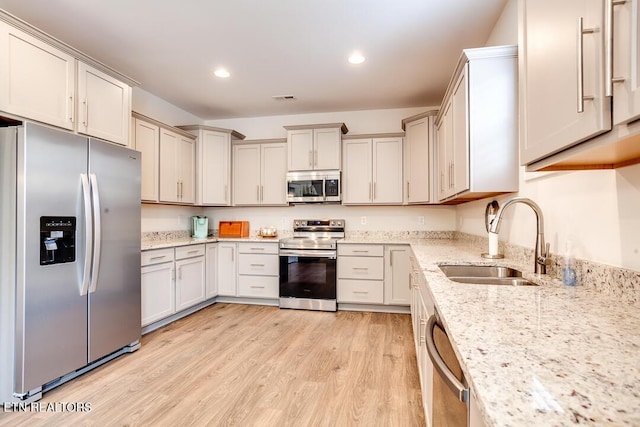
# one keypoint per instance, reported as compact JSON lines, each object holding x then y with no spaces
{"x":308,"y":253}
{"x":462,"y":392}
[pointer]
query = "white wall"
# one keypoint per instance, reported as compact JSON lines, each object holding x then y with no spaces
{"x":597,"y":210}
{"x":157,"y":108}
{"x":358,"y":122}
{"x":388,"y":218}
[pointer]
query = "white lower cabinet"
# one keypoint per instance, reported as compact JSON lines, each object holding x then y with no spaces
{"x":158,"y":297}
{"x":173,"y":280}
{"x":227,"y":269}
{"x":190,"y":276}
{"x":360,"y":274}
{"x":157,"y":285}
{"x":211,"y":253}
{"x":396,"y":275}
{"x":258,"y":270}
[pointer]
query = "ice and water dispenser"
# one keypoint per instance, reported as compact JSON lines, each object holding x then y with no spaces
{"x":57,"y":239}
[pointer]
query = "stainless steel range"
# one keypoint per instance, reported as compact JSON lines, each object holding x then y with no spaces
{"x":308,"y":265}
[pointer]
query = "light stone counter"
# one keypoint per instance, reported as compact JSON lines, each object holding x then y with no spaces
{"x":184,"y":241}
{"x":538,"y":356}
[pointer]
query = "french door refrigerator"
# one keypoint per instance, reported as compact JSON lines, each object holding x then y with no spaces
{"x":69,"y":256}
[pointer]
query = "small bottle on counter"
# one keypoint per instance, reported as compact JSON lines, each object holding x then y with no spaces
{"x":569,"y":268}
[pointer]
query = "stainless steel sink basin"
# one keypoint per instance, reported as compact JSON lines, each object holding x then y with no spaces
{"x":485,"y":275}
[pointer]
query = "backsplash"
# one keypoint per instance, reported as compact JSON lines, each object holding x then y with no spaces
{"x":619,"y":282}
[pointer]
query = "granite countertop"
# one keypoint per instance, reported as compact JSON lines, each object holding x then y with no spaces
{"x":545,"y":355}
{"x":172,"y":242}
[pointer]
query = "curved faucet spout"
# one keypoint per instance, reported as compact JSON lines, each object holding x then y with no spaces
{"x":541,"y":256}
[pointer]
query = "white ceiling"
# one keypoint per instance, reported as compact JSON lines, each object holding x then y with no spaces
{"x":273,"y":47}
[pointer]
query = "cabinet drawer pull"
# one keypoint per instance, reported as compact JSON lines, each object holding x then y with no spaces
{"x":256,"y":265}
{"x":256,"y":287}
{"x":360,"y":268}
{"x":360,"y":292}
{"x":158,"y":257}
{"x":256,"y":249}
{"x":360,"y":252}
{"x":193,"y":252}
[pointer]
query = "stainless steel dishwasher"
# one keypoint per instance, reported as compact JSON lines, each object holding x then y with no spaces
{"x":450,"y":392}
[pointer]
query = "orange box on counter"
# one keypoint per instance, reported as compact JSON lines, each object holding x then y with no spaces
{"x":233,"y":229}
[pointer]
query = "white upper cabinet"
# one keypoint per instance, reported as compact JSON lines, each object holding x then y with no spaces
{"x":146,"y":139}
{"x":45,"y":80}
{"x":37,"y":81}
{"x":626,"y":61}
{"x":314,"y":147}
{"x":419,"y":157}
{"x":561,"y":78}
{"x":373,"y":171}
{"x":477,"y":127}
{"x":213,"y":164}
{"x":259,"y":173}
{"x":105,"y":105}
{"x":177,"y":155}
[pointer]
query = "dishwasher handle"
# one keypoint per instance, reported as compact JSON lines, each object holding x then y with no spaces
{"x":439,"y":365}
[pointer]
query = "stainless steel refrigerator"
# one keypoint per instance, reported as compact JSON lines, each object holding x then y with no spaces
{"x":69,"y":256}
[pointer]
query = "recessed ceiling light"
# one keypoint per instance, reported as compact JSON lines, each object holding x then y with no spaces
{"x":356,"y":58}
{"x":222,"y":73}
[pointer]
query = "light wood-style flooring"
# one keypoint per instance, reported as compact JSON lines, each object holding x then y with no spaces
{"x":245,"y":365}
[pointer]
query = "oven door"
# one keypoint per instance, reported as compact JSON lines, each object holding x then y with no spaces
{"x":307,"y":274}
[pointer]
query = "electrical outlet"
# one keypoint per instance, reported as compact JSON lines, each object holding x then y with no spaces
{"x":363,"y":220}
{"x":421,"y":220}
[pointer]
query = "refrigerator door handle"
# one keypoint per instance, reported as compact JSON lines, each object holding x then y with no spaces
{"x":97,"y":232}
{"x":88,"y":230}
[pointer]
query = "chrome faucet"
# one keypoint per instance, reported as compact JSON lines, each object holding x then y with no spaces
{"x":541,"y":257}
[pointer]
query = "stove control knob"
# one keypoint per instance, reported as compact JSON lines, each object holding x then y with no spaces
{"x":297,"y":223}
{"x":333,"y":223}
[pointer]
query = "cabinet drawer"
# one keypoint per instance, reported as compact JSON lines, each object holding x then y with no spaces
{"x":258,"y":265}
{"x":258,"y":248}
{"x":258,"y":286}
{"x":189,"y":251}
{"x":360,"y":250}
{"x":156,"y":256}
{"x":361,"y":291}
{"x":367,"y":268}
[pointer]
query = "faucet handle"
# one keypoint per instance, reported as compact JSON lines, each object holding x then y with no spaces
{"x":547,"y":249}
{"x":543,"y":258}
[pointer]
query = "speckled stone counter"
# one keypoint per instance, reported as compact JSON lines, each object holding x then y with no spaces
{"x":538,"y":356}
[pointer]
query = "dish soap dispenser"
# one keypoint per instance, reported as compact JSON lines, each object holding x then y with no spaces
{"x":569,"y":268}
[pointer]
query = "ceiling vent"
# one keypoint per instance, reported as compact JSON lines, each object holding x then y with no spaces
{"x":284,"y":97}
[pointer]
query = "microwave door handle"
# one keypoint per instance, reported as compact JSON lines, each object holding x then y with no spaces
{"x":324,"y":189}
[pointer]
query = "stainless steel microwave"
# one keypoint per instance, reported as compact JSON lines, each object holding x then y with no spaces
{"x":313,"y":187}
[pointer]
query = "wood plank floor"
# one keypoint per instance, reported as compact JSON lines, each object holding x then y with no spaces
{"x":244,"y":365}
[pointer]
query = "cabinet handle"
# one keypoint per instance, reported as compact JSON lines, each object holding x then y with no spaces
{"x":441,"y":181}
{"x":179,"y":273}
{"x":262,"y":193}
{"x":581,"y":32}
{"x":256,"y":265}
{"x":310,"y":158}
{"x":256,"y":287}
{"x":157,"y":257}
{"x":258,"y":193}
{"x":195,"y":251}
{"x":256,"y":249}
{"x":408,"y":190}
{"x":233,"y":251}
{"x":374,"y":191}
{"x":370,"y":191}
{"x":360,"y":268}
{"x":391,"y":258}
{"x":315,"y":158}
{"x":86,"y":113}
{"x":451,"y":176}
{"x":181,"y":190}
{"x":360,"y":292}
{"x":178,"y":190}
{"x":608,"y":47}
{"x":71,"y":109}
{"x":226,"y":192}
{"x":360,"y":251}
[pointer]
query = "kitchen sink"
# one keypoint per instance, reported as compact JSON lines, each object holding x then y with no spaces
{"x":485,"y":275}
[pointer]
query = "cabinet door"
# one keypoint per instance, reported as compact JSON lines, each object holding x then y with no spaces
{"x":460,"y":135}
{"x":417,"y":163}
{"x":626,"y":60}
{"x":396,"y":276}
{"x":169,"y":173}
{"x":326,"y":154}
{"x":227,"y":272}
{"x":551,"y":61}
{"x":186,"y":158}
{"x":147,"y":141}
{"x":246,"y":174}
{"x":211,"y":288}
{"x":214,"y":174}
{"x":37,"y":81}
{"x":445,"y":152}
{"x":358,"y":183}
{"x":158,"y":296}
{"x":104,"y":104}
{"x":300,"y":149}
{"x":273,"y":190}
{"x":387,"y":171}
{"x":190,"y":282}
